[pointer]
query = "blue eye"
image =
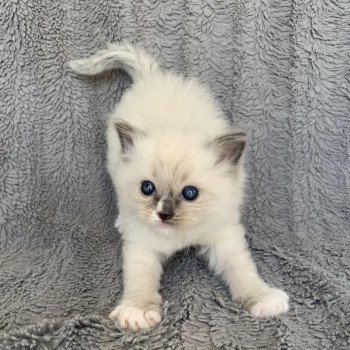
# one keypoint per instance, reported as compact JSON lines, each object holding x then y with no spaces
{"x":190,"y":193}
{"x":148,"y":188}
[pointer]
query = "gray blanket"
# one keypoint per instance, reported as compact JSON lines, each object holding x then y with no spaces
{"x":280,"y":69}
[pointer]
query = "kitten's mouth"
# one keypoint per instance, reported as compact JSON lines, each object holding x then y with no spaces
{"x":162,"y":224}
{"x":156,"y":222}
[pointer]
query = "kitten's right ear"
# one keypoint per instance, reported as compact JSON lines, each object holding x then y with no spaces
{"x":229,"y":147}
{"x":127,"y":134}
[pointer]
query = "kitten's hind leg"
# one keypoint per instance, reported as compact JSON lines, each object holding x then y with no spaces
{"x":230,"y":257}
{"x":141,"y":304}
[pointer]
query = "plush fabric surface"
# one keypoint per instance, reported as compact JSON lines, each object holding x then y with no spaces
{"x":280,"y":69}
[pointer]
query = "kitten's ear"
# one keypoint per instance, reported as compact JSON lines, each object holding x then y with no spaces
{"x":229,"y":147}
{"x":127,"y":134}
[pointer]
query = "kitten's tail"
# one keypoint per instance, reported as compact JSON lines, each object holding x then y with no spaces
{"x":133,"y":60}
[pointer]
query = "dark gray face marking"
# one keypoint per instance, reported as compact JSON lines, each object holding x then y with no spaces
{"x":156,"y":199}
{"x":168,"y":206}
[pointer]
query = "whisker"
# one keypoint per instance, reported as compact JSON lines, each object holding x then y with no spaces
{"x":128,"y":219}
{"x":111,"y":228}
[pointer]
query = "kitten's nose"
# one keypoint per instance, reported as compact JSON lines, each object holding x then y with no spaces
{"x":164,"y":216}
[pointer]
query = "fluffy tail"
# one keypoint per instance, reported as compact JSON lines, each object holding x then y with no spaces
{"x":133,"y":60}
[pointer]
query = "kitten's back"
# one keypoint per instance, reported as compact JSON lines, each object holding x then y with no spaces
{"x":167,"y":101}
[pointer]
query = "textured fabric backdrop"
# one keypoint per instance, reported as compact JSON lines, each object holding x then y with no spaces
{"x":280,"y":69}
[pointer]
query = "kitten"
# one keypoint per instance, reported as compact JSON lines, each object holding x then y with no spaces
{"x":177,"y":169}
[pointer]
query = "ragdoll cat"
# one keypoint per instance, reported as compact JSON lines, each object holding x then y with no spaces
{"x":177,"y":167}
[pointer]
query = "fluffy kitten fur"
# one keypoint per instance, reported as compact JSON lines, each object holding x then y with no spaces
{"x":168,"y":129}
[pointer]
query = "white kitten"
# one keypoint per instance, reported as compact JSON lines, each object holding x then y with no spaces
{"x":177,"y":168}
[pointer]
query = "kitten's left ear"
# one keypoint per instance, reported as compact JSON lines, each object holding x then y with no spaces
{"x":229,"y":147}
{"x":127,"y":134}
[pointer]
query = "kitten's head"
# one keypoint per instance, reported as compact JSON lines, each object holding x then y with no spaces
{"x":174,"y":184}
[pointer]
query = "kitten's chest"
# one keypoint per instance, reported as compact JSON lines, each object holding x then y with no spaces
{"x":167,"y":244}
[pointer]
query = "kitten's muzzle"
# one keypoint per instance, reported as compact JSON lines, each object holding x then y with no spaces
{"x":166,"y":210}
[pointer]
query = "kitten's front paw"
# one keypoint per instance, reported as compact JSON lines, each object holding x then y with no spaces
{"x":134,"y":318}
{"x":272,"y":303}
